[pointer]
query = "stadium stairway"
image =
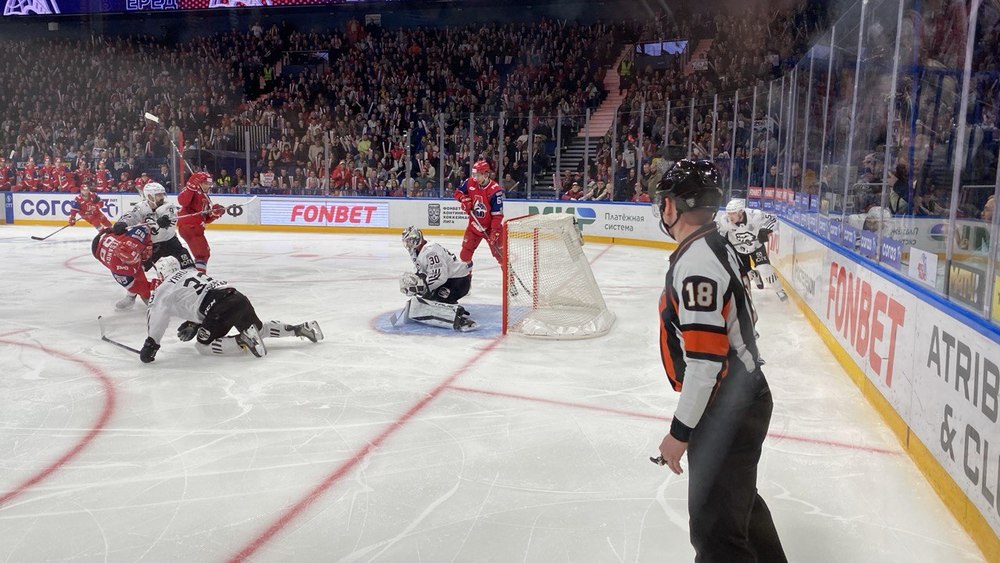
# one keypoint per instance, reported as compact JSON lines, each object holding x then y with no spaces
{"x":601,"y":120}
{"x":698,"y":57}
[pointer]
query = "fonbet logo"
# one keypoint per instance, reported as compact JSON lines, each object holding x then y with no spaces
{"x":584,"y":215}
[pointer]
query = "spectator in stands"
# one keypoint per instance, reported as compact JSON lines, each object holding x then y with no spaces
{"x":223,"y":181}
{"x":575,"y":192}
{"x":599,"y":191}
{"x":898,"y":188}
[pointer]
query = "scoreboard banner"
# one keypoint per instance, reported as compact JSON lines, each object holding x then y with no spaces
{"x":65,"y":7}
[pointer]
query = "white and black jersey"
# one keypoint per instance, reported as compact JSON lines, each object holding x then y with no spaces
{"x":746,"y":234}
{"x":142,"y":214}
{"x":437,"y":265}
{"x":707,"y":324}
{"x":181,"y":295}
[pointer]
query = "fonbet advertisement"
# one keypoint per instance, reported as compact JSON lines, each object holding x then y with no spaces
{"x":939,"y":374}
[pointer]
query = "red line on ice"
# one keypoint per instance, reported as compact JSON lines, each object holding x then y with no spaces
{"x":102,"y":420}
{"x":648,"y":416}
{"x":358,"y":456}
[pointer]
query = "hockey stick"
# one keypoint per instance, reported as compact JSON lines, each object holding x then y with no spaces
{"x":108,"y":340}
{"x":50,"y":234}
{"x":247,"y":202}
{"x":150,"y":117}
{"x":401,"y":314}
{"x":497,"y":251}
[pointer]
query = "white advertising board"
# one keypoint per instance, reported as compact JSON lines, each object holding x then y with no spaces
{"x":324,"y":212}
{"x":939,"y":373}
{"x":57,"y":207}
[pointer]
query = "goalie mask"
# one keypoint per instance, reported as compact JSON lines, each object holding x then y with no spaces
{"x":167,"y":266}
{"x":155,"y":194}
{"x":413,"y":239}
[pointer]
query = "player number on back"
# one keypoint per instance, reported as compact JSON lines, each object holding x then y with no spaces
{"x":699,"y":293}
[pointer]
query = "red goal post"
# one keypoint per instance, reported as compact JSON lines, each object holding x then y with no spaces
{"x":549,"y":290}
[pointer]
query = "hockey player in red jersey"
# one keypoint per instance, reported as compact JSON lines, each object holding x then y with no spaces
{"x":482,"y":199}
{"x":196,"y":211}
{"x":122,"y":250}
{"x":102,"y":178}
{"x":88,"y":206}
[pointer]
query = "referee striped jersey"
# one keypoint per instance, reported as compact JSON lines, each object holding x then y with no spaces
{"x":706,"y":323}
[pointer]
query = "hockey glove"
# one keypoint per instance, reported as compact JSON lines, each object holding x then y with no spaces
{"x":767,"y":274}
{"x":72,"y":221}
{"x":467,"y":204}
{"x":163,"y":222}
{"x":187,"y":331}
{"x":148,"y":352}
{"x":763,"y":235}
{"x":216,"y":212}
{"x":119,"y":228}
{"x":494,"y":238}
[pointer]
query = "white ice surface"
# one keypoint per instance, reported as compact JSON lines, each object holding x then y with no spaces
{"x":386,"y":447}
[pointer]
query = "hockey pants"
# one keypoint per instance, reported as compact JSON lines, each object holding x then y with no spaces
{"x":470,"y":242}
{"x":730,"y":522}
{"x":194,"y":236}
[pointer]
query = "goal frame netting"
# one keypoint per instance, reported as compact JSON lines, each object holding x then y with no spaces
{"x":565,"y":304}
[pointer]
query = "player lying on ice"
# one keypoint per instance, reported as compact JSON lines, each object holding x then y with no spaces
{"x":440,"y":281}
{"x":210,"y":307}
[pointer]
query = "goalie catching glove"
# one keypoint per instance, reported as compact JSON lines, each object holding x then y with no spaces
{"x":411,"y":284}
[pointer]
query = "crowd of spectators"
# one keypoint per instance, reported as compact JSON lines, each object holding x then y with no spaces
{"x":401,"y":112}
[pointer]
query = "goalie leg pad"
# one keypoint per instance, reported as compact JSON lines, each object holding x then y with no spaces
{"x":444,"y":315}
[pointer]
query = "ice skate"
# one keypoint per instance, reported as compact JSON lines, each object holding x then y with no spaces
{"x":126,"y":303}
{"x":464,"y":323}
{"x":309,"y":330}
{"x":251,"y":341}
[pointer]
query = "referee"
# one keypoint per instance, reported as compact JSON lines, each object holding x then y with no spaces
{"x":709,"y":352}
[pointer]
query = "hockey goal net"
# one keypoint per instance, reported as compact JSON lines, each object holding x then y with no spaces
{"x":549,"y":289}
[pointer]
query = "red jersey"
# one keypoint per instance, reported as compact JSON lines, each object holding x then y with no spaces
{"x":7,"y":177}
{"x":102,"y":180}
{"x":64,"y":180}
{"x":47,"y":178}
{"x":89,"y":208}
{"x":29,"y":181}
{"x":195,"y":204}
{"x":487,"y":202}
{"x":123,"y":254}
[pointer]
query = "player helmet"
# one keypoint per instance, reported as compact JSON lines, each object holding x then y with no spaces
{"x":153,"y":189}
{"x":736,"y":205}
{"x":481,"y":167}
{"x":166,"y":266}
{"x":198,"y":179}
{"x":413,"y":239}
{"x":692,"y":184}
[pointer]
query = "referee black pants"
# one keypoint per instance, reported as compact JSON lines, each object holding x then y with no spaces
{"x":730,"y":523}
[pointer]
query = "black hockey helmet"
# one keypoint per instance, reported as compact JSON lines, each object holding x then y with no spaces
{"x":692,"y":184}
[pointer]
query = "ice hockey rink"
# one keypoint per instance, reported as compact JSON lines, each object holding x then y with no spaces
{"x":377,"y":445}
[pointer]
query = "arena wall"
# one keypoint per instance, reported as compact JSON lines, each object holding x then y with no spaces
{"x":930,"y":369}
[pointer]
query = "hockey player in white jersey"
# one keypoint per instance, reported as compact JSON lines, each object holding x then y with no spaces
{"x":440,"y":281}
{"x":748,"y":230}
{"x":161,"y":218}
{"x":210,"y":308}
